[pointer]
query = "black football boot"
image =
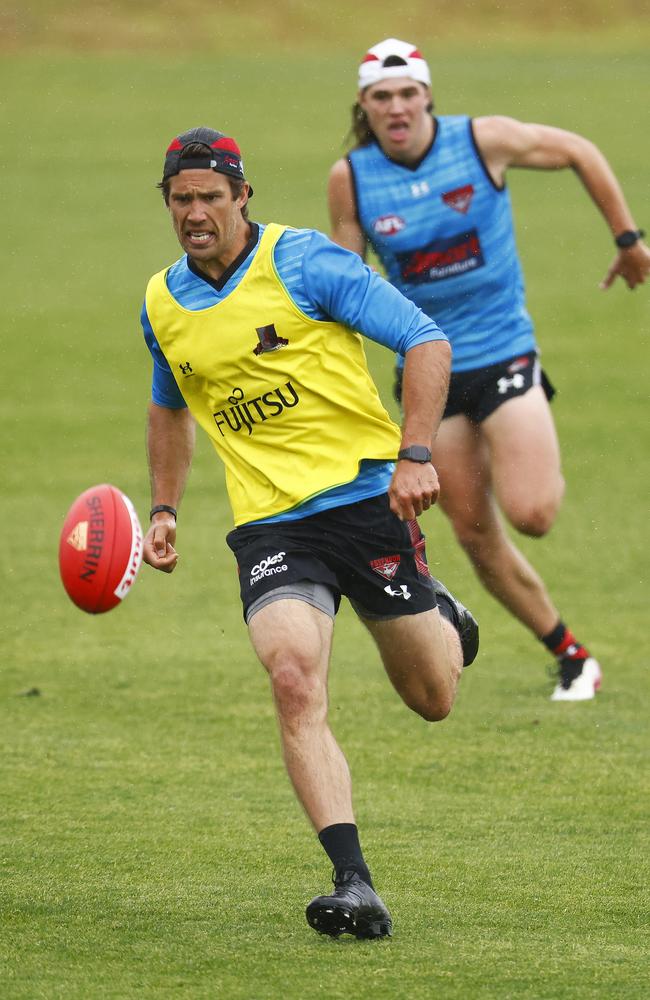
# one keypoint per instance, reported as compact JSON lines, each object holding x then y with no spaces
{"x":464,"y":623}
{"x":353,"y":908}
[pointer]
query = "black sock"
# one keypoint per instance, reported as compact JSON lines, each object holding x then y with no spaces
{"x":564,"y":646}
{"x":341,"y":843}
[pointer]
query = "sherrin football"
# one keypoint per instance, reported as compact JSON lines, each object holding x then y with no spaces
{"x":100,"y":550}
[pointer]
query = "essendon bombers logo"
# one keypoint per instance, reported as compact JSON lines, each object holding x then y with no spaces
{"x":459,"y":199}
{"x":442,"y":259}
{"x":386,"y":567}
{"x":269,"y":340}
{"x":388,"y":225}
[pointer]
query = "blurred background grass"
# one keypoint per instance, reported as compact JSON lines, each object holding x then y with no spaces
{"x":149,"y":843}
{"x":247,"y":26}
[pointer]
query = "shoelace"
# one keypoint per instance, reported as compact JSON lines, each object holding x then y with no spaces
{"x":343,"y":881}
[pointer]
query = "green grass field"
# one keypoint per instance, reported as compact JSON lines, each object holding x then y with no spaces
{"x":150,"y":845}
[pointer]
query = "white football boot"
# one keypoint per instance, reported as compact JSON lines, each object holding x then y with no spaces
{"x":581,"y":688}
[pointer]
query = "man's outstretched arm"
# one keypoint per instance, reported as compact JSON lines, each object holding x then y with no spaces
{"x":505,"y":142}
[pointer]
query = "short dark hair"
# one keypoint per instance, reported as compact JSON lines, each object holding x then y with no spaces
{"x":195,"y":149}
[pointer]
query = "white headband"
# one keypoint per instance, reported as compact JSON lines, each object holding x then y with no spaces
{"x":403,"y":58}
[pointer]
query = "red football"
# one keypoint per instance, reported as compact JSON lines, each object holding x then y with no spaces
{"x":100,"y":550}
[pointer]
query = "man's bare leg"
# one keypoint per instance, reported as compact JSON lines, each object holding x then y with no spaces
{"x":512,"y":458}
{"x":462,"y":459}
{"x":293,"y":641}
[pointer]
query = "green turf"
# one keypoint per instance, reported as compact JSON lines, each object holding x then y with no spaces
{"x":150,"y":845}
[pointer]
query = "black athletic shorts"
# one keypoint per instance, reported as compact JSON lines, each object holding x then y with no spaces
{"x":361,"y":550}
{"x":479,"y":392}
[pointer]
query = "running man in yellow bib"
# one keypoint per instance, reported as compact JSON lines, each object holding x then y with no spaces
{"x":255,"y":334}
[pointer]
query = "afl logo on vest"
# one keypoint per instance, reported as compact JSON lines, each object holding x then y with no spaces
{"x":388,"y":225}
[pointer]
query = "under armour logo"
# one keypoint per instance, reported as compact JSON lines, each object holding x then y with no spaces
{"x":186,"y":368}
{"x":516,"y":382}
{"x":402,"y":592}
{"x":419,"y":188}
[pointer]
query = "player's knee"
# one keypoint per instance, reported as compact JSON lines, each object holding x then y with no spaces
{"x":536,"y":516}
{"x":535,"y":520}
{"x":433,"y":709}
{"x":296,"y":689}
{"x":432,"y":702}
{"x":474,"y":537}
{"x":536,"y":524}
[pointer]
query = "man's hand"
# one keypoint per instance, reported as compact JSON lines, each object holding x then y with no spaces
{"x":413,"y":489}
{"x":159,"y":549}
{"x":632,"y":264}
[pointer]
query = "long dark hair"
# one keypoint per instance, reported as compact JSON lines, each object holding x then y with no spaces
{"x":360,"y":133}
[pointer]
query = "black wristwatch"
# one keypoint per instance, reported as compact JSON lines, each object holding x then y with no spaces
{"x":629,"y":238}
{"x":415,"y":453}
{"x":163,"y":508}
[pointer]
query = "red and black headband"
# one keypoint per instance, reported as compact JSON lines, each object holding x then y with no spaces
{"x":222,"y":154}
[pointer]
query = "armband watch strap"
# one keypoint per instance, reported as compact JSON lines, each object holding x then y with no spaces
{"x":415,"y":453}
{"x":629,"y":238}
{"x":160,"y":507}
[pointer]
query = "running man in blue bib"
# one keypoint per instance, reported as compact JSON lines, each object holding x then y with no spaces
{"x":429,"y":195}
{"x":256,"y":335}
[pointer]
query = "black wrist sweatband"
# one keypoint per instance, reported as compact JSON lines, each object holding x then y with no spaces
{"x":159,"y":508}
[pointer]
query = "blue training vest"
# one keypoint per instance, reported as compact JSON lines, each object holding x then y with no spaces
{"x":444,"y":233}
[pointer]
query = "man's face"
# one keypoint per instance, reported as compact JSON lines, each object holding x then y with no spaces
{"x":207,"y":219}
{"x":397,"y":111}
